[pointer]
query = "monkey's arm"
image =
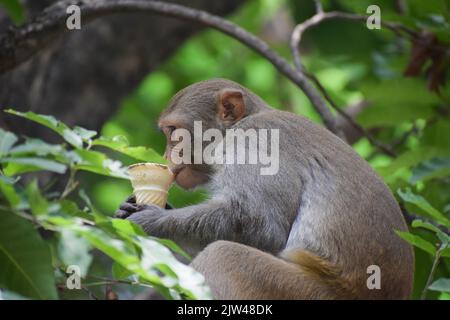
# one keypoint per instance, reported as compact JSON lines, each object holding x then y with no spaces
{"x":212,"y":220}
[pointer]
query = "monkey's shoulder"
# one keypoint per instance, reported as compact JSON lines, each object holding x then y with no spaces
{"x":305,"y":131}
{"x":272,"y":119}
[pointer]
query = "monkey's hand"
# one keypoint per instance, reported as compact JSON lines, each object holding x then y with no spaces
{"x":151,"y":218}
{"x":127,"y":208}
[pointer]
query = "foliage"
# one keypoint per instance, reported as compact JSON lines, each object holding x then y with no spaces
{"x":402,"y":112}
{"x":15,"y":10}
{"x":43,"y":232}
{"x":353,"y":63}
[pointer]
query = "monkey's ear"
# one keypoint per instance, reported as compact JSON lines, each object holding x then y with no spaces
{"x":231,"y":107}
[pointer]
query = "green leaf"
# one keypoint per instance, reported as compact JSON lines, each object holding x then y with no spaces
{"x":38,"y":203}
{"x":426,"y":225}
{"x":9,"y":295}
{"x":113,"y":143}
{"x":400,"y":101}
{"x":445,"y":253}
{"x":15,"y":10}
{"x":85,"y":134}
{"x":411,"y":158}
{"x":22,"y":165}
{"x":7,"y":188}
{"x":120,"y":272}
{"x":74,"y":250}
{"x":116,"y":249}
{"x":447,"y":208}
{"x":72,"y":138}
{"x":434,"y":168}
{"x":25,"y":261}
{"x":174,"y":247}
{"x":50,"y":122}
{"x":148,"y":259}
{"x":143,"y":154}
{"x":7,"y":140}
{"x":97,"y":162}
{"x":9,"y":180}
{"x":127,"y":228}
{"x":86,"y":199}
{"x":434,"y":132}
{"x":71,"y":208}
{"x":444,"y":296}
{"x":420,"y":202}
{"x":120,"y":144}
{"x":441,"y":285}
{"x":178,"y":275}
{"x":443,"y":237}
{"x":421,"y":8}
{"x":417,"y":242}
{"x":98,"y":216}
{"x":37,"y":147}
{"x":122,"y":252}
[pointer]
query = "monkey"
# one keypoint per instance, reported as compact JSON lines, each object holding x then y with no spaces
{"x":313,"y":230}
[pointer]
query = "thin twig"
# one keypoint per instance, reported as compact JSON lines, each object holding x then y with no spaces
{"x":400,"y":6}
{"x":410,"y":217}
{"x":118,"y":281}
{"x":318,"y":4}
{"x":437,"y":257}
{"x":413,"y":131}
{"x":71,"y":185}
{"x":61,"y":286}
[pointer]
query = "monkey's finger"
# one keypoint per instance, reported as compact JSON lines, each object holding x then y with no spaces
{"x":121,"y":214}
{"x":142,"y":207}
{"x":129,"y":207}
{"x":131,"y":199}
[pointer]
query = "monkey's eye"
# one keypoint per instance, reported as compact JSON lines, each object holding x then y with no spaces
{"x":168,"y":130}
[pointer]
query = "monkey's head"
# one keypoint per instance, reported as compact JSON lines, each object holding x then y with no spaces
{"x":216,"y":104}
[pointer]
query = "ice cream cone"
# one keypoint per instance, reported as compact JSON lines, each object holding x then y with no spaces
{"x":150,"y":182}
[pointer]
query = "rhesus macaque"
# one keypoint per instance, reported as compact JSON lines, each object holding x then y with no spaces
{"x":311,"y":231}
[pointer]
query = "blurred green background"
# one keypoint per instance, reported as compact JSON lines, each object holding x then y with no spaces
{"x":353,"y":63}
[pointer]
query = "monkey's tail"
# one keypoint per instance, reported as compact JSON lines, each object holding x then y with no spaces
{"x":323,"y":271}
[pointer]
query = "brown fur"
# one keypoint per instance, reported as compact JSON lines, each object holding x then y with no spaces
{"x":236,"y":271}
{"x":310,"y":231}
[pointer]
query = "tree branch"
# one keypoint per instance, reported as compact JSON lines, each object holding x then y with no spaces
{"x":20,"y":44}
{"x":410,"y":217}
{"x":319,"y":17}
{"x":318,"y":5}
{"x":322,"y":16}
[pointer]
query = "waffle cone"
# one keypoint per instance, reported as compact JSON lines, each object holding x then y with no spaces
{"x":150,"y":182}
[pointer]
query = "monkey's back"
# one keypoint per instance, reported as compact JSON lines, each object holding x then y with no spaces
{"x":344,"y":212}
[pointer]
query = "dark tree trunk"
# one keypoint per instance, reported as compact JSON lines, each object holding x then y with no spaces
{"x":82,"y":77}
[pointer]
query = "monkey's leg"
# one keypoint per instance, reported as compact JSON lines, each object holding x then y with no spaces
{"x":236,"y":271}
